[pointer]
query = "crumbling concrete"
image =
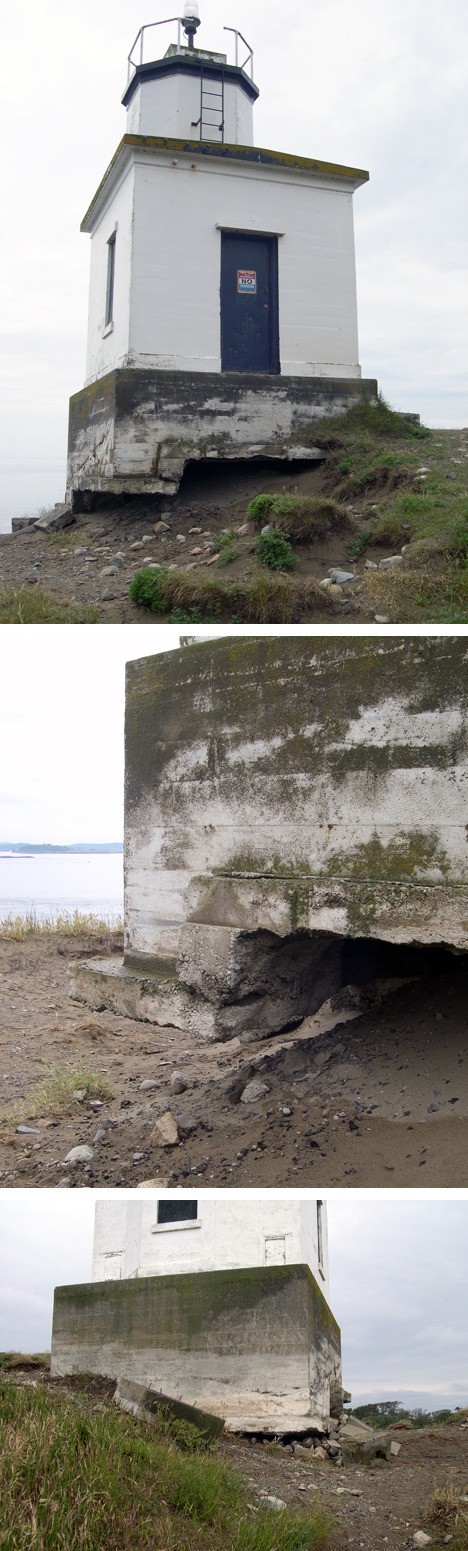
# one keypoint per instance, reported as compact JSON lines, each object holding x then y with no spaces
{"x":295,"y":821}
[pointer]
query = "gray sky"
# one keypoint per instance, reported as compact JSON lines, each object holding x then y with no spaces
{"x":399,"y":1273}
{"x":62,"y":728}
{"x":376,"y":86}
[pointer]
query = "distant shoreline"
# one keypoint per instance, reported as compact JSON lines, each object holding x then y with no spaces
{"x":8,"y":851}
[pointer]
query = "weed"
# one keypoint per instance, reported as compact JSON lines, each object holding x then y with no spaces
{"x":10,"y":1362}
{"x":291,"y":1531}
{"x":24,"y":606}
{"x":275,"y":551}
{"x":228,"y":549}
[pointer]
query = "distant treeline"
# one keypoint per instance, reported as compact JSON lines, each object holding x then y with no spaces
{"x":384,"y":1413}
{"x":33,"y":850}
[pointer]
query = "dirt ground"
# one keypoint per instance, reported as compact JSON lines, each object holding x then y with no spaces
{"x":374,"y":1507}
{"x":209,"y":501}
{"x":379,"y":1101}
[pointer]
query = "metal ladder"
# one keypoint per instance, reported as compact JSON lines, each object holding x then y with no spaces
{"x":211,"y":120}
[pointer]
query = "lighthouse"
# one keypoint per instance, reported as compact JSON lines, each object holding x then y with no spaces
{"x":222,"y":308}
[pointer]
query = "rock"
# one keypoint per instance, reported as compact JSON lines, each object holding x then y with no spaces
{"x":421,"y":1539}
{"x":241,"y":532}
{"x":187,"y":1124}
{"x":166,"y":1132}
{"x":80,"y":551}
{"x":394,"y":1450}
{"x":195,"y":530}
{"x":300,"y":1452}
{"x":147,"y":1084}
{"x":179,"y":1083}
{"x":341,"y":577}
{"x":181,"y":539}
{"x":64,"y":1184}
{"x":255,"y":1090}
{"x":334,"y":1450}
{"x":61,"y":517}
{"x":118,"y":561}
{"x":146,"y":538}
{"x":196,"y":551}
{"x":391,"y":563}
{"x":272,"y":1502}
{"x":161,"y":527}
{"x":137,"y":544}
{"x":320,"y":1453}
{"x":17,"y":523}
{"x":266,"y":529}
{"x":95,"y":1104}
{"x":79,"y":1155}
{"x":109,"y":570}
{"x":27,"y":1131}
{"x":370,"y":565}
{"x":100,"y":1135}
{"x":213,"y":560}
{"x":153,"y":1184}
{"x":381,"y":619}
{"x":79,"y":1094}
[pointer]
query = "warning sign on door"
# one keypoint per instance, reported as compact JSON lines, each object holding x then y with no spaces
{"x":247,"y":282}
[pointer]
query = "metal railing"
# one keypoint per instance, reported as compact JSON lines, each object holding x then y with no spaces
{"x":250,"y":58}
{"x":139,"y":45}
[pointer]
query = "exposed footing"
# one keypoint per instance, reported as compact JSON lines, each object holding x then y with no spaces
{"x":133,"y":431}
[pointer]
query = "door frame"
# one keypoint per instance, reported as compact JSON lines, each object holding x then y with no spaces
{"x":272,"y":238}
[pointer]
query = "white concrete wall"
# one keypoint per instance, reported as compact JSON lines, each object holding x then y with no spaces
{"x":225,"y":1236}
{"x":109,"y":348}
{"x":168,"y":212}
{"x":170,"y":105}
{"x":180,"y":204}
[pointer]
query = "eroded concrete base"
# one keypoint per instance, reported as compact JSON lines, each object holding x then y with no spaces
{"x":134,"y":431}
{"x":109,"y":984}
{"x":258,"y":1347}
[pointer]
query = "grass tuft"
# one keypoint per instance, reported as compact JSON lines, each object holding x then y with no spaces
{"x":302,"y":519}
{"x":448,"y":1512}
{"x":33,"y":606}
{"x":264,"y":600}
{"x":76,"y":1478}
{"x":54,"y":1095}
{"x":274,"y":551}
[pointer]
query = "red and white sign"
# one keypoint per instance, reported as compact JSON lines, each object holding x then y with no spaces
{"x":247,"y":282}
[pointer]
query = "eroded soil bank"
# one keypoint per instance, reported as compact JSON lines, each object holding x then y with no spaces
{"x":381,"y":1100}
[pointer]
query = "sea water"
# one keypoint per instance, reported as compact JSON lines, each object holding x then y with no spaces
{"x":49,"y":886}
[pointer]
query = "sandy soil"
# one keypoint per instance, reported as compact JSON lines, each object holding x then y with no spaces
{"x":379,"y":1101}
{"x":209,"y":501}
{"x":376,"y":1507}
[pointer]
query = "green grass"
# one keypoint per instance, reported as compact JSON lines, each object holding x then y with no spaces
{"x":76,"y":1478}
{"x":32,"y":606}
{"x":302,"y":519}
{"x":228,"y":548}
{"x":10,"y":1362}
{"x":266,"y":599}
{"x":19,"y":928}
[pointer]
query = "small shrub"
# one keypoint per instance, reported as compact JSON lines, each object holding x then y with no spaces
{"x":259,"y":508}
{"x":275,"y":551}
{"x":228,"y":548}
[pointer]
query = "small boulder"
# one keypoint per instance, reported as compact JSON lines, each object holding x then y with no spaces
{"x":421,"y":1539}
{"x":79,"y":1155}
{"x":391,"y":563}
{"x":166,"y":1131}
{"x":179,"y":1083}
{"x":254,"y":1091}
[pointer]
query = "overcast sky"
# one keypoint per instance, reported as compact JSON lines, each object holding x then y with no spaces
{"x":379,"y":86}
{"x":62,"y":728}
{"x":399,"y":1274}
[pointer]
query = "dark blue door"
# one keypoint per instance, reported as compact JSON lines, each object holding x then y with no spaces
{"x":249,"y":303}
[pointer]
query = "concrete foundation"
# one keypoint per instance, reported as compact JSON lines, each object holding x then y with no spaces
{"x":258,"y":1347}
{"x":134,"y":431}
{"x":295,"y":822}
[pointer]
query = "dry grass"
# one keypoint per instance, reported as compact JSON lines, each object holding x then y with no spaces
{"x":302,"y":519}
{"x":56,"y":1095}
{"x":448,"y":1512}
{"x":33,"y":606}
{"x":437,"y":594}
{"x":19,"y":928}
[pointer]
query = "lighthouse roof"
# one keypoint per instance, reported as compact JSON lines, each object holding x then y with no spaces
{"x":189,"y":62}
{"x":256,"y":156}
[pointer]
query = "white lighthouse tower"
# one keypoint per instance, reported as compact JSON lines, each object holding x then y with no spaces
{"x":222,"y":312}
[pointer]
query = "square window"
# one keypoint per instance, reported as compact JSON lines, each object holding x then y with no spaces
{"x":177,"y":1211}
